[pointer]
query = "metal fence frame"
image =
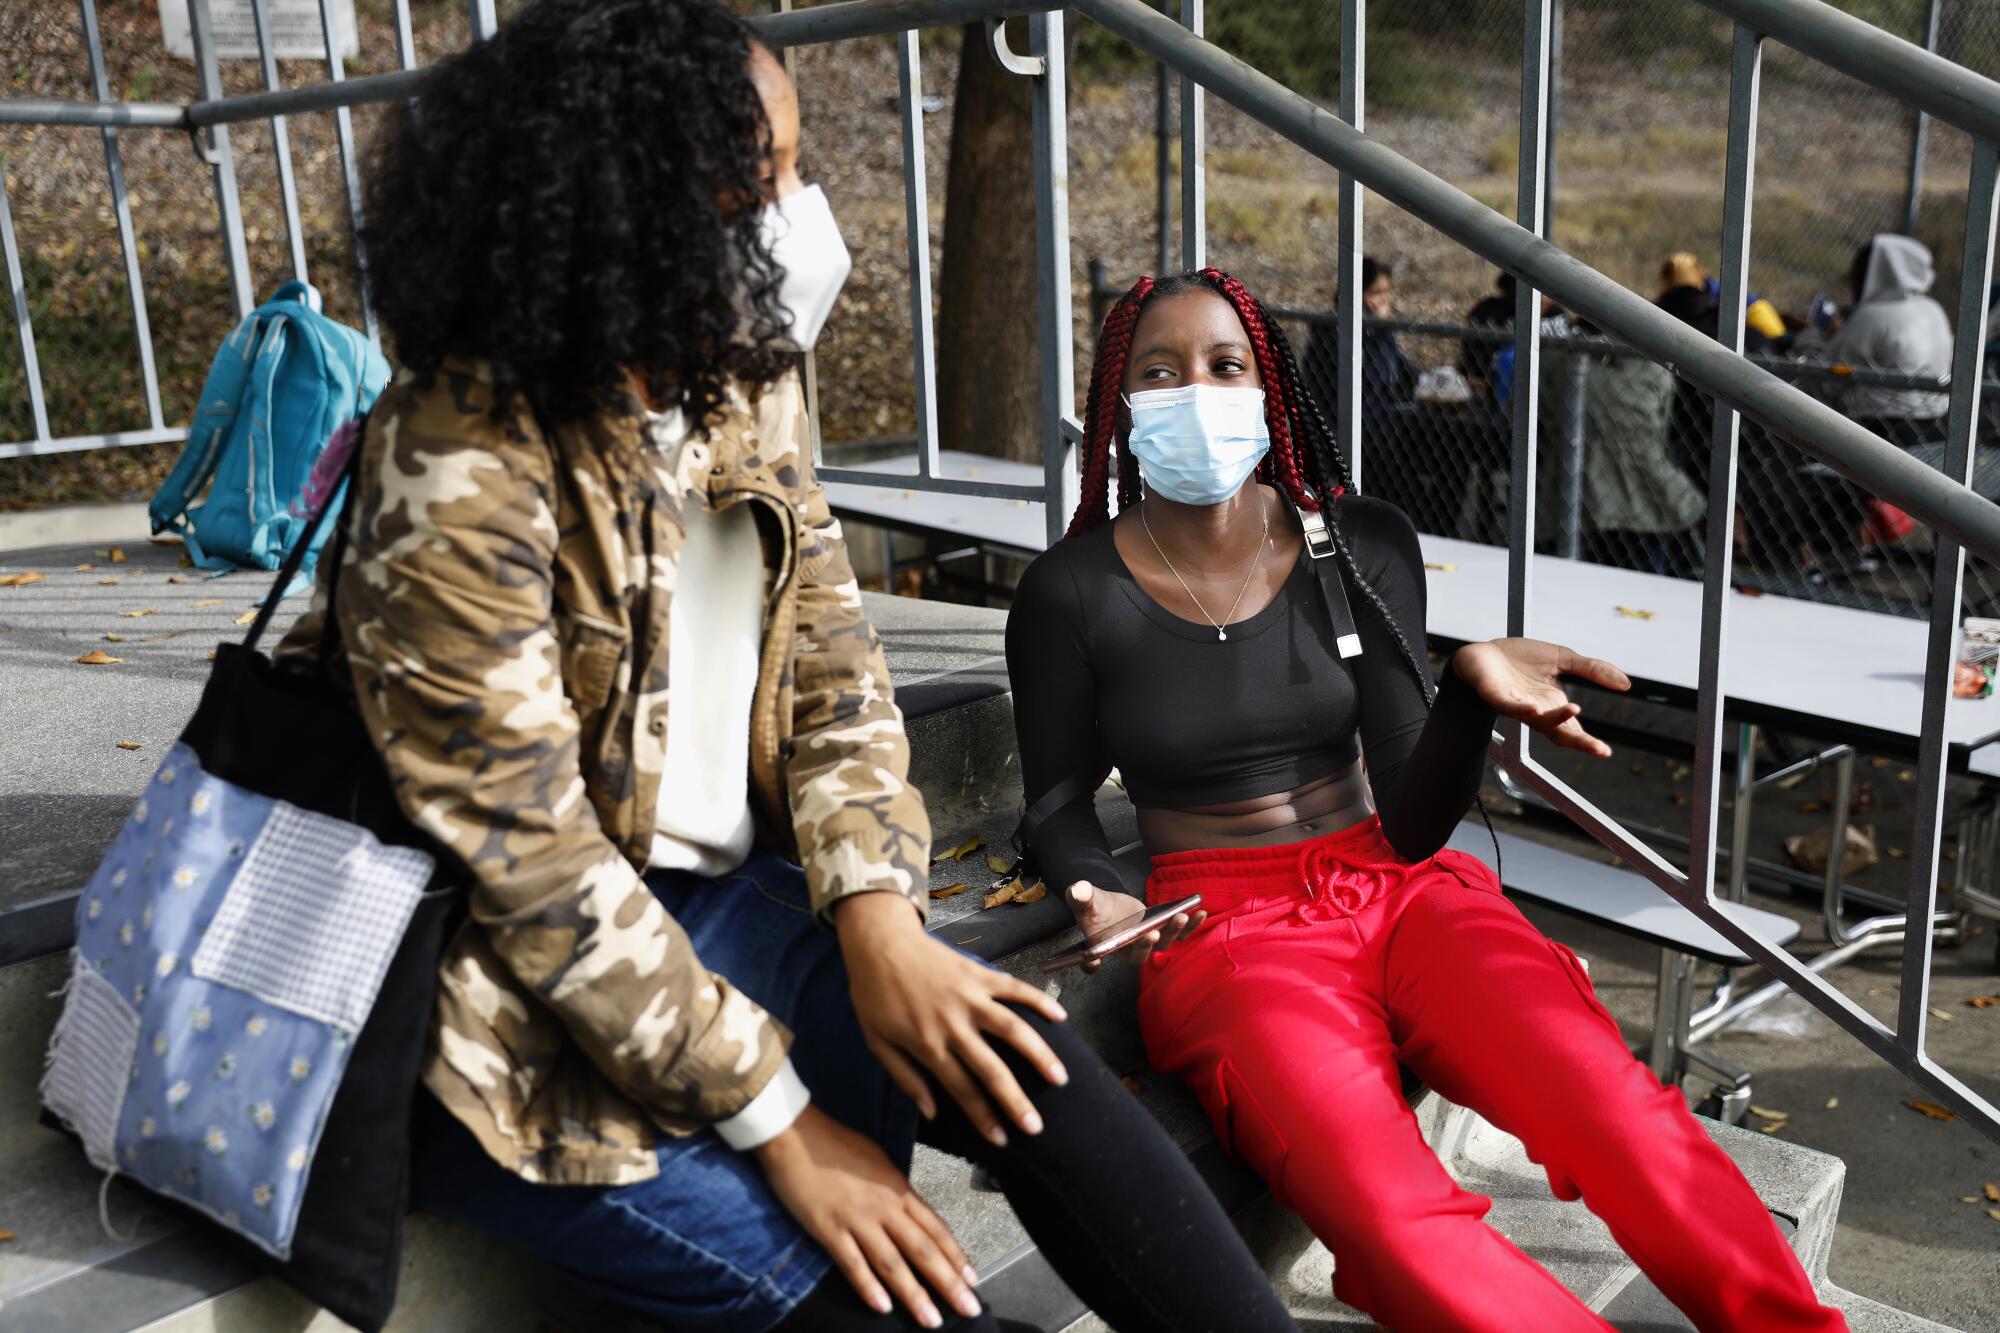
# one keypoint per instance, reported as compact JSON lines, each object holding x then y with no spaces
{"x":1943,"y":501}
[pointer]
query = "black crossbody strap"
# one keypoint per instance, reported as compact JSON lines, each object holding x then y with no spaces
{"x":296,"y":557}
{"x":1325,"y":559}
{"x":1080,"y":783}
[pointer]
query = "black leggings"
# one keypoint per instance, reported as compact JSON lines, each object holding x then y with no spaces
{"x":1105,"y":1194}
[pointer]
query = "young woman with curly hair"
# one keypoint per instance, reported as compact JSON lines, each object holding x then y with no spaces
{"x":601,"y":627}
{"x":1188,"y":643}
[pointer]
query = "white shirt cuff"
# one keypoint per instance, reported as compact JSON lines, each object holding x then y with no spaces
{"x":769,"y":1114}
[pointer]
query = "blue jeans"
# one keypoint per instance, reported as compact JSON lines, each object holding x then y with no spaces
{"x":705,"y":1244}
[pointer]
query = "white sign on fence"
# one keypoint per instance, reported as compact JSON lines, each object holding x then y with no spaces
{"x":295,"y":27}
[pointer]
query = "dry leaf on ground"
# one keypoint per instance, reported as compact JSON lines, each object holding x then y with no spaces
{"x":22,"y":580}
{"x":109,"y":583}
{"x":1968,"y":1198}
{"x":114,"y":638}
{"x":6,"y":1234}
{"x":967,"y":848}
{"x":1442,"y":569}
{"x":1940,"y":1014}
{"x":1993,"y":1191}
{"x":247,"y":616}
{"x":85,"y":567}
{"x":948,"y":891}
{"x":175,"y":578}
{"x":1983,"y":1001}
{"x":1032,"y":894}
{"x":187,"y":561}
{"x":1832,"y":1102}
{"x":98,"y":657}
{"x":1774,"y":1126}
{"x":1634,"y":613}
{"x":1006,"y":893}
{"x":1750,"y":592}
{"x":207,"y":601}
{"x":131,"y":745}
{"x":116,"y":555}
{"x":996,"y":864}
{"x":1763,"y":1114}
{"x":1993,"y":1213}
{"x":134,"y":615}
{"x":1133,"y":1085}
{"x":1931,"y":1109}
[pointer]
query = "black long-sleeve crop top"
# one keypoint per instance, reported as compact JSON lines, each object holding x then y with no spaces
{"x":1104,"y":674}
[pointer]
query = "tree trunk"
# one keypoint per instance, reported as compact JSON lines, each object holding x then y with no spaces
{"x":988,"y":354}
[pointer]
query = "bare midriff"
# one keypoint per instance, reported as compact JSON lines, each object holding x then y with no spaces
{"x":1325,"y":805}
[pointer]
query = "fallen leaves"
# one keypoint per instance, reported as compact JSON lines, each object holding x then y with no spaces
{"x":85,"y":567}
{"x":247,"y":616}
{"x":131,"y":745}
{"x":1750,"y":592}
{"x":996,"y":864}
{"x":1763,"y":1114}
{"x":1775,"y":1126}
{"x":958,"y":853}
{"x":116,"y":555}
{"x":109,"y":583}
{"x":175,"y":578}
{"x":114,"y":638}
{"x":1993,"y":1213}
{"x":6,"y":1235}
{"x":1633,"y":613}
{"x":207,"y":601}
{"x":1034,"y":893}
{"x":1940,"y":1014}
{"x":1982,"y":1001}
{"x":949,"y":890}
{"x":1931,"y":1109}
{"x":1992,"y":1192}
{"x":98,"y":657}
{"x":1133,"y":1085}
{"x":134,"y":615}
{"x":1014,"y":891}
{"x":22,"y":580}
{"x":1442,"y":569}
{"x":1832,"y":1102}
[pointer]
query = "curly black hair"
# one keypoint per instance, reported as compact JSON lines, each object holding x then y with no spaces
{"x":576,"y":197}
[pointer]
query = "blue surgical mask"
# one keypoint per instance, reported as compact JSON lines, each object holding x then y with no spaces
{"x":1196,"y":444}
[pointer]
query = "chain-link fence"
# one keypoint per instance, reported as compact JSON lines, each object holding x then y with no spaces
{"x":1637,"y":137}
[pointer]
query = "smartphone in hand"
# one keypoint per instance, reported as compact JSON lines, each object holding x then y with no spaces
{"x":1131,"y":929}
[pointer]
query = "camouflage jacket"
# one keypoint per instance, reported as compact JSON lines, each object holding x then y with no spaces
{"x":503,"y":606}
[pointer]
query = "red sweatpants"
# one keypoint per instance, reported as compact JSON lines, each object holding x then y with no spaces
{"x":1325,"y":964}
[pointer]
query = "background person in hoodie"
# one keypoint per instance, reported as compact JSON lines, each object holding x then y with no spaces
{"x":1894,"y":326}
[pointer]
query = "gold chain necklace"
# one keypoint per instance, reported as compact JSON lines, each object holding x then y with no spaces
{"x":1221,"y":634}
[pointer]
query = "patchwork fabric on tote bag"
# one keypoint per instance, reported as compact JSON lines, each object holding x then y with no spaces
{"x":255,"y":969}
{"x":228,"y":952}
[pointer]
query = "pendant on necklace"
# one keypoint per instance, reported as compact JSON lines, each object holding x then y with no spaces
{"x":1221,"y":634}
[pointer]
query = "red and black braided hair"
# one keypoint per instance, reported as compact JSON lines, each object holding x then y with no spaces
{"x":1305,"y":461}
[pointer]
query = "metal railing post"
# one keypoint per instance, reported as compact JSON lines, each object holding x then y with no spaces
{"x":1526,"y":393}
{"x":1163,"y":165}
{"x":1746,"y":73}
{"x":480,"y":14}
{"x":121,"y":207}
{"x":343,"y":133}
{"x":1194,"y":150}
{"x":281,"y":140}
{"x":1348,"y":296}
{"x":222,"y":159}
{"x":917,"y":228}
{"x":1051,"y":130}
{"x":1976,"y":273}
{"x":1919,"y":133}
{"x":24,"y":327}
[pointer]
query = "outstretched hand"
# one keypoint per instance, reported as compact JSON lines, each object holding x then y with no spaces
{"x":1522,"y":679}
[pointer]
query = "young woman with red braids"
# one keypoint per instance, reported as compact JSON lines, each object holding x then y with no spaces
{"x":1187,"y":643}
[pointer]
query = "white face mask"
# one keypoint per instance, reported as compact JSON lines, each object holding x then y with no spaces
{"x":1197,"y":443}
{"x":805,"y":242}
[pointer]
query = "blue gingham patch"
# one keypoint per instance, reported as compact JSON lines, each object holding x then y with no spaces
{"x":313,"y":917}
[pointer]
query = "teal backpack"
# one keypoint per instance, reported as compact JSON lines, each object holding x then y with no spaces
{"x":278,"y":388}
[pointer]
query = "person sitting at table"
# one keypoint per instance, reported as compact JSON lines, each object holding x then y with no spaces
{"x":1387,"y":377}
{"x":1641,"y":510}
{"x":1894,"y":325}
{"x":1493,"y":313}
{"x":1189,"y":642}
